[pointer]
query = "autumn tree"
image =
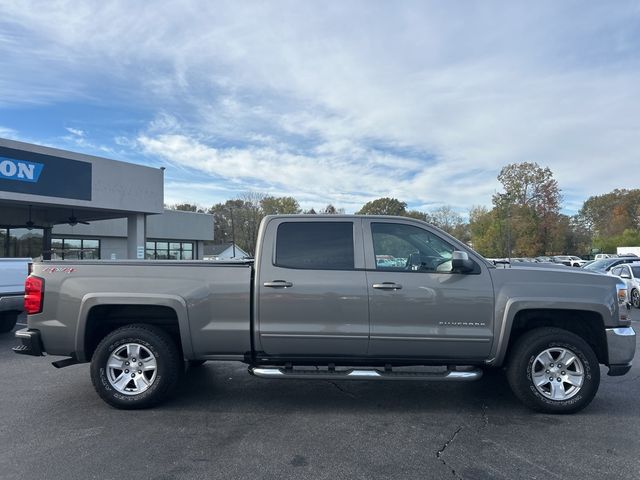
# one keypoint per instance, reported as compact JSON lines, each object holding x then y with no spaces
{"x":529,"y":208}
{"x":611,"y":214}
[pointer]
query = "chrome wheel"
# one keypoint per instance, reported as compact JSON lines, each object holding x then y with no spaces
{"x":557,"y":373}
{"x":131,"y":369}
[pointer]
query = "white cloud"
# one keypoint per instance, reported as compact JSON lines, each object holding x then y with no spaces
{"x":76,"y":131}
{"x":350,"y":101}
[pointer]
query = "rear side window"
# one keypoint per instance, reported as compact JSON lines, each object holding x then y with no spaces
{"x":315,"y":245}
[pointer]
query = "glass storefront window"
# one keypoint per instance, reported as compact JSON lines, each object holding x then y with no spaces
{"x":75,"y":249}
{"x":164,"y":250}
{"x":23,"y":242}
{"x":3,"y":241}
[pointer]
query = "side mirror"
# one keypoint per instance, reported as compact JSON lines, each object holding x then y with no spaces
{"x":625,"y":275}
{"x":460,"y":262}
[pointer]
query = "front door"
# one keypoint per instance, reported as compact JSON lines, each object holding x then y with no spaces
{"x":419,"y":307}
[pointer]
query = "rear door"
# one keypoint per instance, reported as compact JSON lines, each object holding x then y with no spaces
{"x":312,"y":294}
{"x":418,"y":306}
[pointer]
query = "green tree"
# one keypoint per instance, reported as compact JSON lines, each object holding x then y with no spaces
{"x":186,"y":207}
{"x":383,"y":206}
{"x":279,"y":205}
{"x":425,"y":217}
{"x":485,"y":233}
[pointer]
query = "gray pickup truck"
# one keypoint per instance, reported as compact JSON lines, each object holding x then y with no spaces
{"x":333,"y":297}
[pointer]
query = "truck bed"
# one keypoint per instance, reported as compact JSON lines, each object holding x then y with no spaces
{"x":211,"y":300}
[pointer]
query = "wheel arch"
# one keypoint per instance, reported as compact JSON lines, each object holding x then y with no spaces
{"x":100,"y":314}
{"x":585,"y":322}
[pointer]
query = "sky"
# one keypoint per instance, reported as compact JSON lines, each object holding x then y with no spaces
{"x":336,"y":102}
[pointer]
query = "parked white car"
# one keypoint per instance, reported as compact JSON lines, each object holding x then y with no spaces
{"x":630,"y":274}
{"x":13,"y":273}
{"x":569,"y":260}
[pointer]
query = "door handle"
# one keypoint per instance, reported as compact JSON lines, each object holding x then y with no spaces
{"x":387,"y":286}
{"x":278,"y":284}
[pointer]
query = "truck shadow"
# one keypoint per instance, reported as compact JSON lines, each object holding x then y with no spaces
{"x":226,"y":386}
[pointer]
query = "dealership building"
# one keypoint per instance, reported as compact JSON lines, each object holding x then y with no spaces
{"x":56,"y":204}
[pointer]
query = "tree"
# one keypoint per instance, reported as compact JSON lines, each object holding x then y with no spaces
{"x":529,"y":208}
{"x":238,"y":220}
{"x":611,"y":214}
{"x":425,"y":217}
{"x":383,"y":206}
{"x":186,"y":207}
{"x":484,"y":230}
{"x":279,"y":206}
{"x":446,"y":218}
{"x":331,"y":210}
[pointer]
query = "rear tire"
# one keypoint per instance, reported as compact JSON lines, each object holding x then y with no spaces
{"x":136,"y":366}
{"x":8,"y":320}
{"x":542,"y":356}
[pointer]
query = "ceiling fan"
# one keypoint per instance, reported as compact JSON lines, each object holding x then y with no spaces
{"x":73,"y":220}
{"x":30,"y":224}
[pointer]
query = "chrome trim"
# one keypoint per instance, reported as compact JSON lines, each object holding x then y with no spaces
{"x":623,"y":331}
{"x":437,"y":339}
{"x":364,"y":374}
{"x":310,"y":335}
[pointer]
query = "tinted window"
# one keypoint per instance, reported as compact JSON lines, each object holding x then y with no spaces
{"x":315,"y":245}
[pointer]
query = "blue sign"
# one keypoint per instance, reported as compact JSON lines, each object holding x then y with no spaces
{"x":45,"y":175}
{"x":20,"y":170}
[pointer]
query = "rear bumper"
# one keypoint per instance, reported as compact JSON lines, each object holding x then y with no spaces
{"x":12,"y":302}
{"x":31,"y":343}
{"x":621,"y":345}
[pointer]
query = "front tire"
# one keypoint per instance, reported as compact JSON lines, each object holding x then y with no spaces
{"x":8,"y":320}
{"x":552,"y":370}
{"x":136,"y":366}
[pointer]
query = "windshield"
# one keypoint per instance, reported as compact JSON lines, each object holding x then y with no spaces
{"x":600,"y":264}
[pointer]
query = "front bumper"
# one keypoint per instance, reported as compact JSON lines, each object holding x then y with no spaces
{"x":621,"y":345}
{"x":31,"y":343}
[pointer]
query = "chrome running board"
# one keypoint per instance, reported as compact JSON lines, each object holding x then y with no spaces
{"x":449,"y":375}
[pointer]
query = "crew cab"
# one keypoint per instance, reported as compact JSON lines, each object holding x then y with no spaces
{"x":333,"y":297}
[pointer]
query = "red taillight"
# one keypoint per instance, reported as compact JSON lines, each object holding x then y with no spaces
{"x":33,"y":295}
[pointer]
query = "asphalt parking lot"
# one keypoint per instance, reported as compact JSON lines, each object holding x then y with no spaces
{"x":226,"y":424}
